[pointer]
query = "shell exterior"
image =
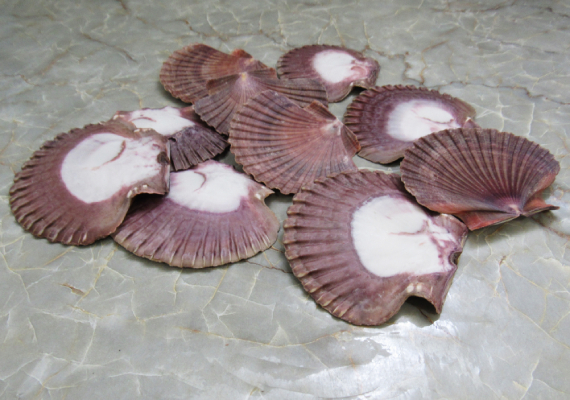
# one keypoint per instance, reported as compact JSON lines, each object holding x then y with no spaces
{"x":161,"y":229}
{"x":339,"y":69}
{"x":286,"y":146}
{"x":190,"y":145}
{"x":227,"y":95}
{"x":379,"y":119}
{"x":319,"y":244}
{"x":43,"y":204}
{"x":482,"y":176}
{"x":185,"y":73}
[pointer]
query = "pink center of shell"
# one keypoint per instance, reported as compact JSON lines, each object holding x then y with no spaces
{"x":394,"y":236}
{"x":412,"y":120}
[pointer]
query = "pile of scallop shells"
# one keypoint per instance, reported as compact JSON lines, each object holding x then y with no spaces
{"x":360,"y":242}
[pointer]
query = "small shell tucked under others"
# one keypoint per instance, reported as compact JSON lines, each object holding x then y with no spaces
{"x":482,"y":176}
{"x":337,"y":68}
{"x":286,"y":146}
{"x":78,"y":187}
{"x":361,"y":245}
{"x":191,"y":140}
{"x":212,"y":216}
{"x":386,"y":120}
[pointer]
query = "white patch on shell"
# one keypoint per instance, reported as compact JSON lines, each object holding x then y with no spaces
{"x":414,"y":119}
{"x":394,"y":236}
{"x":104,"y":163}
{"x":211,"y":187}
{"x":335,"y":66}
{"x":166,"y":121}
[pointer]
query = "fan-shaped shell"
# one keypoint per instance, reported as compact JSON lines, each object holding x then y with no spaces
{"x":482,"y":176}
{"x":361,"y":245}
{"x":78,"y":187}
{"x":212,"y":215}
{"x":337,"y":68}
{"x":191,"y":140}
{"x":185,"y":73}
{"x":286,"y":146}
{"x":386,"y":120}
{"x":227,"y":95}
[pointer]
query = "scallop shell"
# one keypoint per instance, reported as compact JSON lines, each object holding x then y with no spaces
{"x":191,"y":140}
{"x":361,"y":245}
{"x":386,"y":120}
{"x":286,"y":146}
{"x":78,"y":187}
{"x":482,"y":176}
{"x":227,"y":95}
{"x":185,"y":73}
{"x":212,"y":215}
{"x":337,"y":68}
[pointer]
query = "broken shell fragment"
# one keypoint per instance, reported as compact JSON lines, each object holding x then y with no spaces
{"x":286,"y":146}
{"x":386,"y":120}
{"x":337,"y":68}
{"x":361,"y":245}
{"x":185,"y":73}
{"x":191,"y":140}
{"x":78,"y":187}
{"x":212,"y":216}
{"x":482,"y":176}
{"x":227,"y":95}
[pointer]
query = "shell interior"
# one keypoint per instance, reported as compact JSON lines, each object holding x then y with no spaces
{"x":361,"y":245}
{"x":286,"y":146}
{"x":386,"y":120}
{"x":337,"y":68}
{"x":482,"y":176}
{"x":212,"y":215}
{"x":89,"y":176}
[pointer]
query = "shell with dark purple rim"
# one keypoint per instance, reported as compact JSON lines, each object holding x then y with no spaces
{"x":78,"y":187}
{"x":386,"y":120}
{"x":337,"y":68}
{"x":361,"y":245}
{"x":212,"y":216}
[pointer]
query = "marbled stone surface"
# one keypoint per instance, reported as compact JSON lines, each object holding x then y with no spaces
{"x":97,"y":322}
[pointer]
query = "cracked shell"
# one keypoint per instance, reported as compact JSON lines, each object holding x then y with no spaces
{"x":286,"y":146}
{"x":361,"y":245}
{"x":386,"y":120}
{"x":337,"y":68}
{"x":212,"y":216}
{"x":185,"y":73}
{"x":191,"y":140}
{"x":78,"y":187}
{"x":482,"y":176}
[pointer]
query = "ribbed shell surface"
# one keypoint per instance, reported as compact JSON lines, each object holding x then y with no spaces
{"x":286,"y":146}
{"x":320,"y":249}
{"x":482,"y":176}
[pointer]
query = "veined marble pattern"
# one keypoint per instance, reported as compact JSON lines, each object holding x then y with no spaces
{"x":97,"y":322}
